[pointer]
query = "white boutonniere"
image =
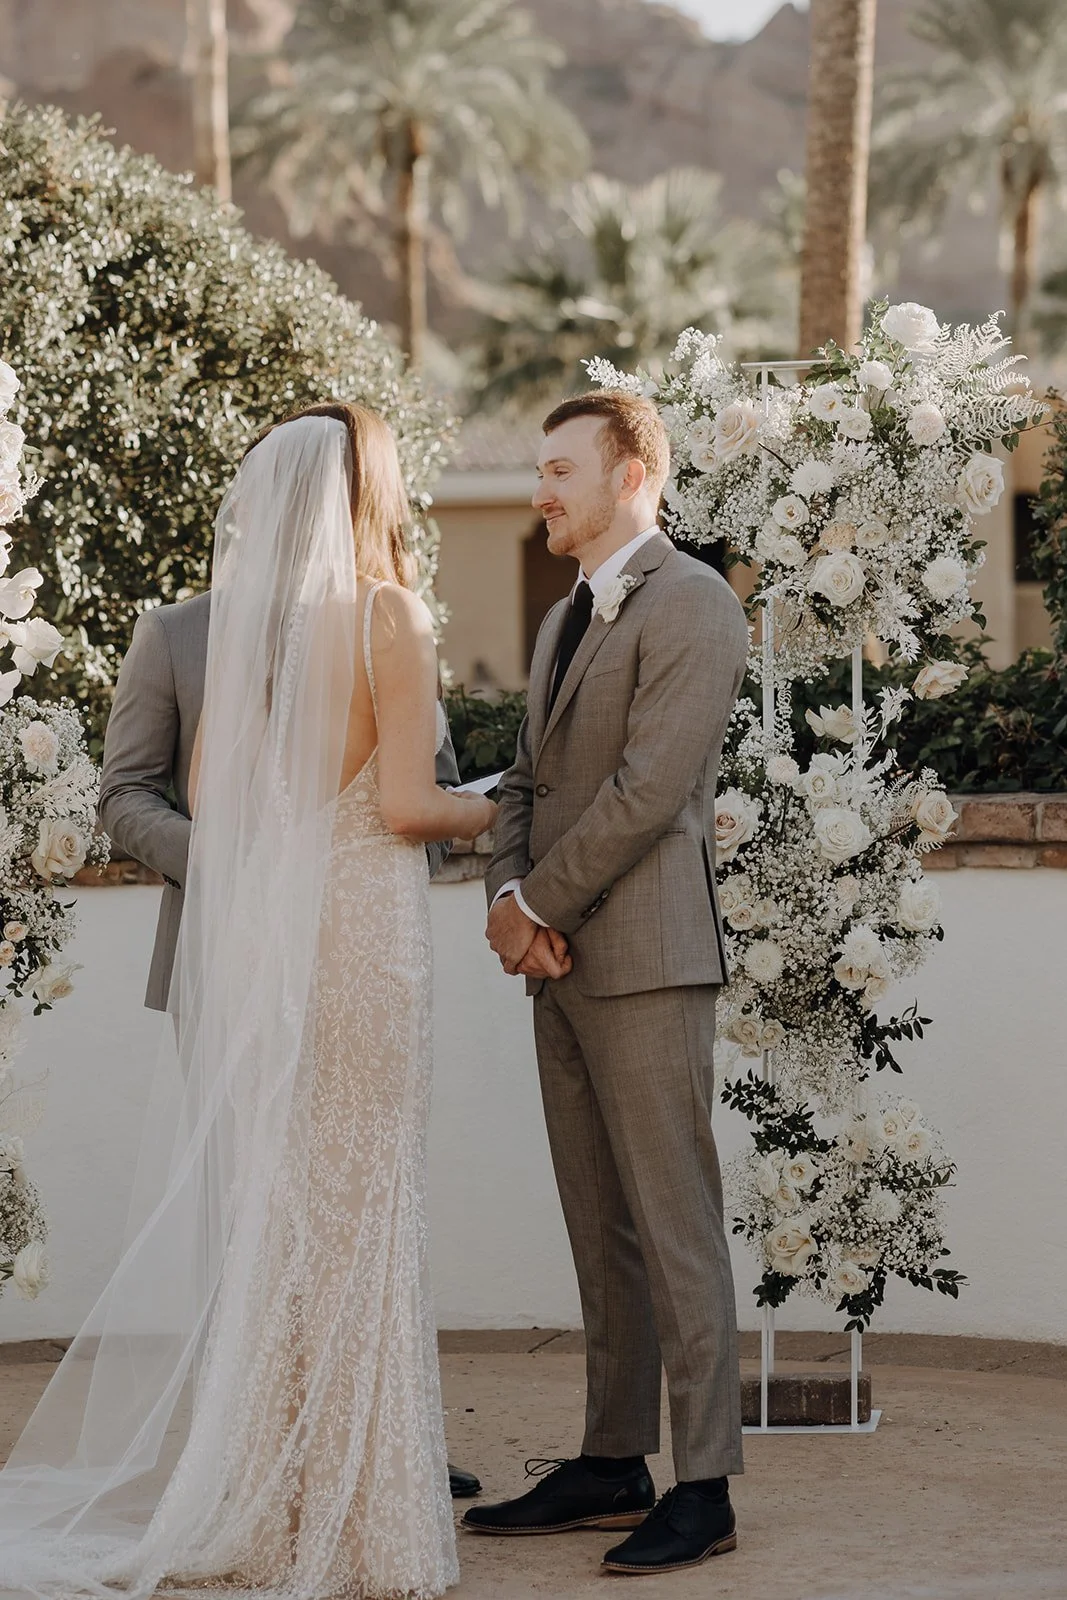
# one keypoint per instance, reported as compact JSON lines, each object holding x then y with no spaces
{"x":609,"y":605}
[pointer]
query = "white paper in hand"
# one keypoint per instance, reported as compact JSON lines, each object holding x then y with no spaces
{"x":480,"y":785}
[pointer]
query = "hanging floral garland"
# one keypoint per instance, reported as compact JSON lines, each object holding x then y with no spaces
{"x":854,"y":494}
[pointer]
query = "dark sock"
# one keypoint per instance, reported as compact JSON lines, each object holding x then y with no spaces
{"x":612,"y":1467}
{"x":715,"y":1489}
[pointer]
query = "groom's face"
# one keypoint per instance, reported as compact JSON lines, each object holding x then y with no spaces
{"x":576,"y":494}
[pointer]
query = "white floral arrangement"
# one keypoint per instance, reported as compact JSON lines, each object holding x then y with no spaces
{"x":834,"y":1212}
{"x":855,"y":491}
{"x":48,"y":790}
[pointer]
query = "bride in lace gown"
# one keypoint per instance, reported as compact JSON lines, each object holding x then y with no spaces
{"x":254,"y":1403}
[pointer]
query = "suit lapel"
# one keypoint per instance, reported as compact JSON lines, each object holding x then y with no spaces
{"x":650,"y":556}
{"x":542,"y":670}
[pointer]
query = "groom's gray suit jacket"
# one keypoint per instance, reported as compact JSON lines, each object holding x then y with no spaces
{"x":609,"y":808}
{"x":148,"y":749}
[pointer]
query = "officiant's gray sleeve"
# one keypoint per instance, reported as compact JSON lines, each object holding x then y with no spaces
{"x":139,"y":748}
{"x":693,"y":651}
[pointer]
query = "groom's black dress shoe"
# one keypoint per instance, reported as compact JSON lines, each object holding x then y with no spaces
{"x":463,"y":1485}
{"x":686,"y":1527}
{"x":570,"y":1496}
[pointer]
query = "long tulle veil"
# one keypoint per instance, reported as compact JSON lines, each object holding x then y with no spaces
{"x":91,"y":1500}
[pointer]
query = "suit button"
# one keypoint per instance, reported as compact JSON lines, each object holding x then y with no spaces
{"x":542,"y":789}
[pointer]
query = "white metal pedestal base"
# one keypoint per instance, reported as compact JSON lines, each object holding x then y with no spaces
{"x":817,"y":1427}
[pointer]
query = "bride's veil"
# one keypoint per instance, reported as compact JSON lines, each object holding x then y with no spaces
{"x":95,"y":1461}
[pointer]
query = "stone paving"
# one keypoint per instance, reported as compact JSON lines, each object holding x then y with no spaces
{"x":959,"y":1495}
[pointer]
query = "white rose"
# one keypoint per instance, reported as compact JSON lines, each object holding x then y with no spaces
{"x":819,"y":785}
{"x":926,"y":424}
{"x":36,"y":642}
{"x":918,"y":906}
{"x":833,"y":722}
{"x":872,"y":535}
{"x":18,"y":595}
{"x":785,"y":548}
{"x":735,"y":891}
{"x":883,"y":1205}
{"x":827,"y":401}
{"x":9,"y":385}
{"x":7,"y":952}
{"x":11,"y":503}
{"x":737,"y":430}
{"x":914,"y":1144}
{"x":703,"y":457}
{"x":789,"y":512}
{"x":789,"y":1248}
{"x":937,"y":679}
{"x":854,"y":423}
{"x":15,"y":931}
{"x":812,"y":477}
{"x":839,"y":576}
{"x":840,"y":832}
{"x":12,"y":440}
{"x":786,"y":1198}
{"x":981,"y":484}
{"x":30,"y":1270}
{"x":701,"y":433}
{"x":849,"y":1279}
{"x":934,"y":813}
{"x":801,"y":1171}
{"x":53,"y":982}
{"x":773,"y":1035}
{"x":60,"y":850}
{"x":764,"y":961}
{"x":874,"y":375}
{"x":944,"y":577}
{"x":915,"y":327}
{"x":742,"y":918}
{"x":782,"y":769}
{"x":745,"y":1031}
{"x":40,"y":747}
{"x":767,"y":1177}
{"x":766,"y":912}
{"x":861,"y":1141}
{"x":876,"y":988}
{"x":735,"y":822}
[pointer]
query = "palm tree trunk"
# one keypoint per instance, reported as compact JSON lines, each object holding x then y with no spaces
{"x":411,"y":244}
{"x":208,"y":53}
{"x":1024,"y":232}
{"x":840,"y":84}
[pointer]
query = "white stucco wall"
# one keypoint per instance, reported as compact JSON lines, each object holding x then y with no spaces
{"x":992,"y":1075}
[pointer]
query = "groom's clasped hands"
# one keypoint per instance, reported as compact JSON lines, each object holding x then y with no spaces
{"x":523,"y":946}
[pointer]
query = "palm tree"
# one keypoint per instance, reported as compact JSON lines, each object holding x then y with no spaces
{"x":207,"y":54}
{"x":840,"y":79}
{"x":990,"y":107}
{"x":388,"y":114}
{"x":629,"y":268}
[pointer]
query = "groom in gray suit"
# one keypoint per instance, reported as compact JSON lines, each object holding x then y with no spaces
{"x":602,"y":893}
{"x":144,"y":790}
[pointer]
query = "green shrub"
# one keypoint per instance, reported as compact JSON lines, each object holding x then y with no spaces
{"x":154,"y":336}
{"x":484,"y":732}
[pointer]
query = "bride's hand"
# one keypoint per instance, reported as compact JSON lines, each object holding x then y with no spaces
{"x":482,"y":815}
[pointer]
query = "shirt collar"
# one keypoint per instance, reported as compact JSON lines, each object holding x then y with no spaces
{"x":610,"y":569}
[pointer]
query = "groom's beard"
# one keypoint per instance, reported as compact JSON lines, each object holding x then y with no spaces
{"x":580,"y":527}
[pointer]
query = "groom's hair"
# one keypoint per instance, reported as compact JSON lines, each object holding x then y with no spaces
{"x":633,"y":429}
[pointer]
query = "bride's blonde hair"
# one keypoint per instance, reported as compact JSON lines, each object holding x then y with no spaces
{"x":381,"y":512}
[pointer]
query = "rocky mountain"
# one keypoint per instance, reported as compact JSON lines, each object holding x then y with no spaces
{"x":650,"y":89}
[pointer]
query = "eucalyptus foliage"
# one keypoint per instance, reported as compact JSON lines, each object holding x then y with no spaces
{"x":156,"y":336}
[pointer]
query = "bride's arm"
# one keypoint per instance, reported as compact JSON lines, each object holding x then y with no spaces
{"x":405,"y":672}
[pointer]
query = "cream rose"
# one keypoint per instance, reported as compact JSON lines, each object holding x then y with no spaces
{"x":735,"y":823}
{"x":937,"y":679}
{"x":914,"y":1144}
{"x":767,"y":913}
{"x":840,"y":832}
{"x":786,"y":1198}
{"x":915,"y":327}
{"x":918,"y":906}
{"x":15,"y":931}
{"x":934,"y":813}
{"x":785,"y":548}
{"x":735,"y":891}
{"x":926,"y":425}
{"x":833,"y":722}
{"x":60,"y":849}
{"x":819,"y":785}
{"x":872,"y":535}
{"x":745,"y":1031}
{"x":53,"y":982}
{"x":812,"y":477}
{"x":767,"y":1177}
{"x":876,"y":988}
{"x":7,"y":952}
{"x":827,"y":402}
{"x":849,"y":1279}
{"x":981,"y":483}
{"x":700,"y":433}
{"x":944,"y":577}
{"x":801,"y":1171}
{"x":839,"y":577}
{"x":790,"y":512}
{"x":764,"y":961}
{"x":737,"y":430}
{"x":861,"y":1141}
{"x":742,"y":918}
{"x":30,"y":1270}
{"x":874,"y":375}
{"x":40,"y":747}
{"x":790,"y":1248}
{"x":773,"y":1035}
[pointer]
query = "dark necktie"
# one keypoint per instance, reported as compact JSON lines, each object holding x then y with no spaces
{"x":574,"y":631}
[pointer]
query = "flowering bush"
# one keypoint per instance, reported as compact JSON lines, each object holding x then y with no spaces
{"x":856,"y":490}
{"x":47,"y":817}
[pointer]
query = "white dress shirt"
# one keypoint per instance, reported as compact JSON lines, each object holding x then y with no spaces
{"x":601,"y":578}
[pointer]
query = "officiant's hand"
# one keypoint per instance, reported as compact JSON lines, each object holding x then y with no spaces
{"x":548,"y":956}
